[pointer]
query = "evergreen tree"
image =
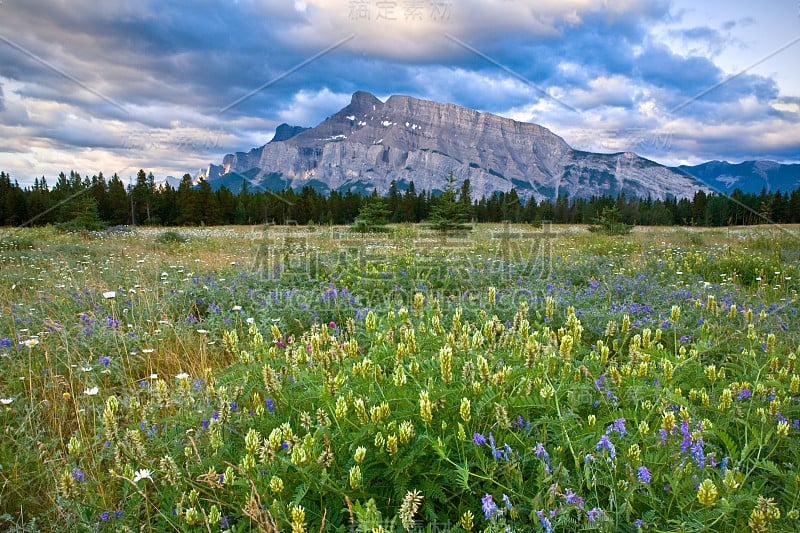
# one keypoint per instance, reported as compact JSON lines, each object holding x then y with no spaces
{"x":373,"y":215}
{"x":448,"y":214}
{"x":185,"y":203}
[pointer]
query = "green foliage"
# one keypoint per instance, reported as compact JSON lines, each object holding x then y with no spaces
{"x":373,"y":215}
{"x":448,"y":214}
{"x":175,"y":389}
{"x":171,"y":237}
{"x":609,"y":223}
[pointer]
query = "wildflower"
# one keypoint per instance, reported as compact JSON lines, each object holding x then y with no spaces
{"x":464,"y":410}
{"x":495,"y":452}
{"x":467,"y":520}
{"x":182,"y":375}
{"x":605,"y":443}
{"x":276,"y":484}
{"x":6,"y":401}
{"x":236,"y":308}
{"x":638,"y":523}
{"x":298,"y":515}
{"x":544,"y":521}
{"x":618,"y":426}
{"x":488,"y":506}
{"x":643,"y":475}
{"x":30,"y":343}
{"x":707,"y":493}
{"x":507,"y":502}
{"x":92,"y":391}
{"x":425,"y":407}
{"x":359,"y":454}
{"x":540,"y":452}
{"x":103,"y":360}
{"x":355,"y":477}
{"x":109,"y":294}
{"x":595,"y":514}
{"x":77,"y":474}
{"x":573,"y":499}
{"x":744,"y":394}
{"x":409,"y":507}
{"x":144,"y":473}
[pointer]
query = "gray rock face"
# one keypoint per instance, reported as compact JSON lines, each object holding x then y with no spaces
{"x":370,"y":143}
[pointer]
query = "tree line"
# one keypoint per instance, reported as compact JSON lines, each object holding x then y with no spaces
{"x":93,"y":202}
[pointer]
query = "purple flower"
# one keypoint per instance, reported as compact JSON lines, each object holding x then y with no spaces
{"x":540,"y":452}
{"x":104,"y":360}
{"x":507,"y":501}
{"x":605,"y":443}
{"x":270,"y":405}
{"x":638,"y":523}
{"x":544,"y":521}
{"x":595,"y":514}
{"x":573,"y":499}
{"x":495,"y":452}
{"x":77,"y":474}
{"x":104,"y":516}
{"x":743,"y":394}
{"x":643,"y":475}
{"x":489,"y":507}
{"x":618,"y":426}
{"x":478,"y":439}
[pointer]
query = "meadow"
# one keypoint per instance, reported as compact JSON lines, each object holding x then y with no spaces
{"x":312,"y":379}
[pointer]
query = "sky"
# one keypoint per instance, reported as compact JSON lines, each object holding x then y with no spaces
{"x":170,"y":87}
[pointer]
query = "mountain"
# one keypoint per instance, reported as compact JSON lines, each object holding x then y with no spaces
{"x":371,"y":143}
{"x":749,"y":176}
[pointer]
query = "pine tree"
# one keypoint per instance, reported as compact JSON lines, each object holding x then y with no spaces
{"x":373,"y":215}
{"x":448,"y":214}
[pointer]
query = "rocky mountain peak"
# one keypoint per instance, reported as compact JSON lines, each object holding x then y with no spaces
{"x":364,"y":102}
{"x":369,"y":144}
{"x":284,"y":132}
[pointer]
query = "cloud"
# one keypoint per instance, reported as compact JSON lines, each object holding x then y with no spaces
{"x":306,"y":107}
{"x":630,"y":68}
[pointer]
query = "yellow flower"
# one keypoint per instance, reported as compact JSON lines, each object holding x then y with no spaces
{"x":465,"y":409}
{"x":355,"y":477}
{"x":707,"y":493}
{"x":298,"y":519}
{"x":425,"y":407}
{"x":359,"y":454}
{"x":276,"y":484}
{"x":467,"y":520}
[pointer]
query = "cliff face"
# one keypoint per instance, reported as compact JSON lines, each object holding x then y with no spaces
{"x":369,"y":144}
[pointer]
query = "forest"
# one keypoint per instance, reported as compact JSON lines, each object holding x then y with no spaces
{"x":83,"y":202}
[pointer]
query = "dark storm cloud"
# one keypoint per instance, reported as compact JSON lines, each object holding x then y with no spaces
{"x":88,"y":75}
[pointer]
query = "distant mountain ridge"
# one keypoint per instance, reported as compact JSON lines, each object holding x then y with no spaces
{"x":749,"y":176}
{"x":369,"y":144}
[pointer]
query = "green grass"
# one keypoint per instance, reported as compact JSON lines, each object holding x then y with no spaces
{"x":289,"y":379}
